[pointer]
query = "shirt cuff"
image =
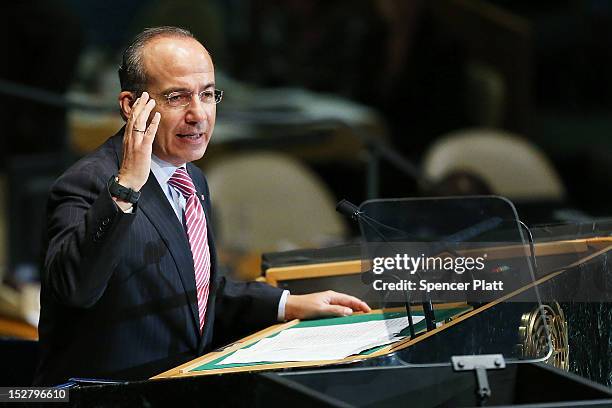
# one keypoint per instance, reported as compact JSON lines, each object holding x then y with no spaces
{"x":128,"y":211}
{"x":281,"y":305}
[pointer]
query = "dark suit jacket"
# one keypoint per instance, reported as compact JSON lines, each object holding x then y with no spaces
{"x":118,"y":296}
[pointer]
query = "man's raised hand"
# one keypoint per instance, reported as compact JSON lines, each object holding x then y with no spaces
{"x":138,"y":143}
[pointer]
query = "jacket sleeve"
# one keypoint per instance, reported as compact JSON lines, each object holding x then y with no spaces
{"x":244,"y":307}
{"x":84,"y":231}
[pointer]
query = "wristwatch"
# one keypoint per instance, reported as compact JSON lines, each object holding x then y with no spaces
{"x":121,"y":192}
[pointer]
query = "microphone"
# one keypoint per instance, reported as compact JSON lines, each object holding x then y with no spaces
{"x":350,"y":210}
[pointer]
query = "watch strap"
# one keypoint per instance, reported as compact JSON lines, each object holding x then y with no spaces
{"x":121,"y":192}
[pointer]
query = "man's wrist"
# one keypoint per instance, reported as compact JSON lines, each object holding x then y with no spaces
{"x":127,"y":182}
{"x":122,"y":192}
{"x":290,"y":307}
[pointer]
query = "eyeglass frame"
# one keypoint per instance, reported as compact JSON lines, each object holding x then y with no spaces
{"x":218,"y":94}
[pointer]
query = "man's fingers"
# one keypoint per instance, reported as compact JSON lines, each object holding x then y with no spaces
{"x":336,"y":310}
{"x":140,"y":104}
{"x":131,"y":118}
{"x":350,"y":301}
{"x":140,"y":124}
{"x":152,"y":129}
{"x":364,"y":307}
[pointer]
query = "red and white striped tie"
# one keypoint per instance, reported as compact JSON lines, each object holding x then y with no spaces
{"x":198,"y":239}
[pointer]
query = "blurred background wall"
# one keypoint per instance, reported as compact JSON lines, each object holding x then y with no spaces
{"x":358,"y":99}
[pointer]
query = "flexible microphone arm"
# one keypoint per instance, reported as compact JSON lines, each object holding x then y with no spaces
{"x":350,"y":210}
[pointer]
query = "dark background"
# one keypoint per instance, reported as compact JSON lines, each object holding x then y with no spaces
{"x":406,"y":59}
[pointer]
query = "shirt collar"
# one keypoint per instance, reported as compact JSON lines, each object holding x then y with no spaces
{"x":162,"y":170}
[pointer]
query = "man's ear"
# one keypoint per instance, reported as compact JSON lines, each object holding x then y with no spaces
{"x":126,"y":100}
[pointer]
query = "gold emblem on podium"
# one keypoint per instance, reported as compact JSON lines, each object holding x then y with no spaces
{"x":533,"y":335}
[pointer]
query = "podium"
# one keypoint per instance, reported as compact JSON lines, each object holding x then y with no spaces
{"x":357,"y":381}
{"x":537,"y":343}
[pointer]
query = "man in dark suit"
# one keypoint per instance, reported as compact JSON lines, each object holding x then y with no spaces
{"x":130,"y":286}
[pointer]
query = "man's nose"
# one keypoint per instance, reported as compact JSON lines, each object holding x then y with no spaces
{"x":196,"y":111}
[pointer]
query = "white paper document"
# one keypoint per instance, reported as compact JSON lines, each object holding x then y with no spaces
{"x":322,"y":342}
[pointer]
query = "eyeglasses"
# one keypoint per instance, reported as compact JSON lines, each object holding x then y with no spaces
{"x":182,"y":99}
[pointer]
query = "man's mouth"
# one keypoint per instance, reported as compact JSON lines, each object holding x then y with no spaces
{"x":193,"y":136}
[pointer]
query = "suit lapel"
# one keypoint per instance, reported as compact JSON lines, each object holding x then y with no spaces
{"x":155,"y":206}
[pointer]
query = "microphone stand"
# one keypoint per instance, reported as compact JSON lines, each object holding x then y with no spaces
{"x":349,"y":209}
{"x":352,"y":211}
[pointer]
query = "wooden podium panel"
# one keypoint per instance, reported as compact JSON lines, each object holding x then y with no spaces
{"x":346,"y":275}
{"x":351,"y":267}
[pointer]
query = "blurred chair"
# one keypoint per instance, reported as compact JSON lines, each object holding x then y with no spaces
{"x":506,"y":163}
{"x":268,"y":201}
